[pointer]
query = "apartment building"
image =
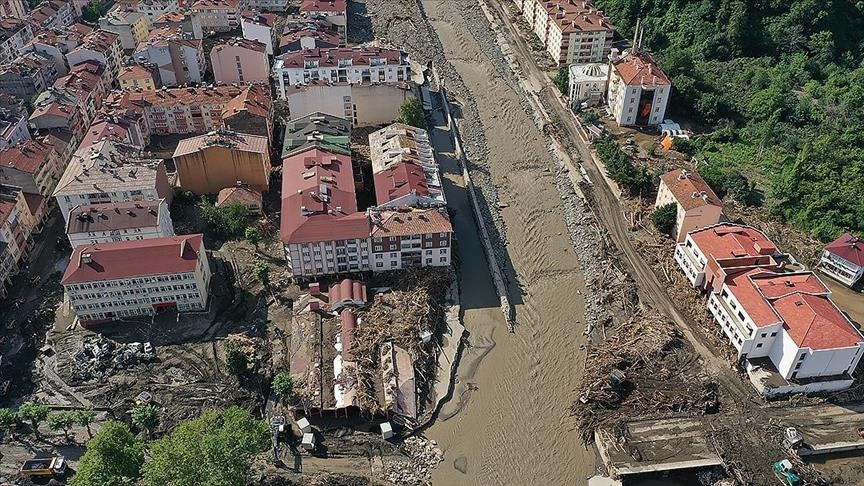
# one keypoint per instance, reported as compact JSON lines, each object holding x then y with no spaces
{"x":60,"y":109}
{"x":843,"y":259}
{"x":404,"y":168}
{"x":16,"y":226}
{"x":178,"y":58}
{"x":32,"y":165}
{"x":697,"y":205}
{"x":50,"y":45}
{"x":137,"y":76}
{"x":270,"y":5}
{"x":364,"y":104}
{"x":102,"y":47}
{"x":117,"y":129}
{"x":13,"y":8}
{"x":209,"y":163}
{"x":13,"y":127}
{"x":638,"y":90}
{"x":29,"y":74}
{"x":309,"y":37}
{"x":708,"y":255}
{"x":152,"y":9}
{"x":111,"y":222}
{"x":85,"y":80}
{"x":326,"y":132}
{"x":53,"y":14}
{"x":587,"y":83}
{"x":353,"y":65}
{"x":132,"y":26}
{"x":574,"y":31}
{"x":112,"y":281}
{"x":200,"y":110}
{"x":258,"y":26}
{"x":15,"y":33}
{"x":410,"y":237}
{"x":185,"y":22}
{"x":111,"y":172}
{"x":334,"y":12}
{"x":219,"y":15}
{"x":240,"y":61}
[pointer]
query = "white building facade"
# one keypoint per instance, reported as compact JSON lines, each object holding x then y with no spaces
{"x":638,"y":91}
{"x":107,"y":223}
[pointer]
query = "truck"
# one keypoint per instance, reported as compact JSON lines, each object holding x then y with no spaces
{"x":44,"y":467}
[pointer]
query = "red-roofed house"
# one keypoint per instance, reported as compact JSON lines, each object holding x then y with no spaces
{"x":573,"y":31}
{"x":410,"y":238}
{"x":111,"y":281}
{"x":843,"y":259}
{"x":707,"y":256}
{"x":33,"y":166}
{"x":333,"y":11}
{"x":788,"y":319}
{"x":240,"y":194}
{"x":698,"y":206}
{"x":638,"y":90}
{"x":404,"y":168}
{"x":259,"y":26}
{"x":346,"y":293}
{"x":100,"y":46}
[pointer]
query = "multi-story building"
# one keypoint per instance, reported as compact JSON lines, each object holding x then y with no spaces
{"x":209,"y":163}
{"x":137,"y":76}
{"x":327,"y":132}
{"x":573,"y":31}
{"x":587,"y":83}
{"x":115,"y":128}
{"x":410,"y":237}
{"x":843,"y":259}
{"x":13,"y":8}
{"x":697,"y":205}
{"x":270,"y":5}
{"x":102,"y":47}
{"x":53,"y":14}
{"x":369,"y":104}
{"x":180,"y":59}
{"x":111,"y":281}
{"x":16,"y":225}
{"x":60,"y":109}
{"x":187,"y":22}
{"x":15,"y":33}
{"x":152,"y":9}
{"x":240,"y":61}
{"x":258,"y":26}
{"x":200,"y":110}
{"x":308,"y":37}
{"x":404,"y":168}
{"x":132,"y":26}
{"x":33,"y":166}
{"x":85,"y":80}
{"x":111,"y":172}
{"x":13,"y":127}
{"x":127,"y":221}
{"x":356,"y":65}
{"x":638,"y":90}
{"x":708,"y":255}
{"x":50,"y":45}
{"x":27,"y":75}
{"x":219,"y":15}
{"x":333,"y":11}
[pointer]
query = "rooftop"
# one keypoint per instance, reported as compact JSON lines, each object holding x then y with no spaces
{"x":216,"y":5}
{"x":732,"y":241}
{"x":136,"y":258}
{"x":223,"y":138}
{"x":690,"y":189}
{"x":108,"y":166}
{"x":250,"y":44}
{"x":99,"y":41}
{"x":209,"y":96}
{"x":323,"y":6}
{"x":640,"y":69}
{"x":265,"y":19}
{"x":134,"y":72}
{"x":60,"y":102}
{"x":406,"y":222}
{"x":352,"y":56}
{"x":165,"y":36}
{"x":577,"y":16}
{"x":245,"y":195}
{"x":27,"y":157}
{"x":113,"y":216}
{"x":403,"y":163}
{"x":320,"y":130}
{"x":849,"y":248}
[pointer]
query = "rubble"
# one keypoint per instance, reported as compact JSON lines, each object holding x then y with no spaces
{"x":423,"y":456}
{"x":100,"y":357}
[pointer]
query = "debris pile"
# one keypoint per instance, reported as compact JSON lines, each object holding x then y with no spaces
{"x":423,"y":456}
{"x":637,"y":370}
{"x":100,"y":357}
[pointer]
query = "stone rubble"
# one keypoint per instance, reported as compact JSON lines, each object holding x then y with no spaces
{"x":100,"y":357}
{"x":423,"y":455}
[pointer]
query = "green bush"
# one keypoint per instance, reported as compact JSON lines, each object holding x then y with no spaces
{"x":633,"y":179}
{"x":283,"y":387}
{"x":236,"y":360}
{"x":562,"y":80}
{"x":113,"y":458}
{"x":411,"y":113}
{"x":229,"y":221}
{"x":664,"y":218}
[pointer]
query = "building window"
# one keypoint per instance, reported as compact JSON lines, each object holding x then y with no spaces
{"x":764,"y":334}
{"x":798,"y":366}
{"x":773,"y":333}
{"x":759,"y":345}
{"x":443,"y":259}
{"x":379,"y":264}
{"x":803,"y":355}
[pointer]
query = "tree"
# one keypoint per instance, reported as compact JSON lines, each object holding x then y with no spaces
{"x":145,"y":417}
{"x":237,"y":361}
{"x":83,"y":418}
{"x":8,"y":421}
{"x":61,"y":421}
{"x":113,"y":458}
{"x":93,"y":11}
{"x":253,"y":236}
{"x":229,"y":221}
{"x":262,"y":273}
{"x":664,"y":218}
{"x":562,"y":80}
{"x":283,"y":387}
{"x":215,"y":449}
{"x":589,"y":118}
{"x":411,"y":113}
{"x":35,"y":413}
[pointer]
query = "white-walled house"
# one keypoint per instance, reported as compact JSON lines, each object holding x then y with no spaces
{"x":697,"y":204}
{"x":111,"y":281}
{"x":638,"y":90}
{"x":843,"y":259}
{"x":110,"y":222}
{"x":258,"y":26}
{"x":587,"y":82}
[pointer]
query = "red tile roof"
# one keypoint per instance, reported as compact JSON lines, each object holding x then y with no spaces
{"x":245,"y":195}
{"x":576,"y":16}
{"x":309,"y":216}
{"x":849,"y":248}
{"x":27,"y":157}
{"x":814,"y":322}
{"x":216,"y":5}
{"x":323,"y":6}
{"x":134,"y":72}
{"x":731,"y":241}
{"x":399,"y":180}
{"x":690,"y":189}
{"x":6,"y":208}
{"x":35,"y":203}
{"x":264,"y":19}
{"x":99,"y":40}
{"x":330,"y":57}
{"x":254,"y":99}
{"x":249,"y":44}
{"x":104,"y":130}
{"x":409,"y":222}
{"x":128,"y":259}
{"x":346,"y":292}
{"x":640,"y":69}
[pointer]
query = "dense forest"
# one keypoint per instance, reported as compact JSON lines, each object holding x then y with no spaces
{"x":777,"y":88}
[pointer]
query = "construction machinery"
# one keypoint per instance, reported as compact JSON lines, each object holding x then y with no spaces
{"x":54,"y":467}
{"x":784,"y":472}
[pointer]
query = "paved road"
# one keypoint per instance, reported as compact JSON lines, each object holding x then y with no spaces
{"x":608,"y":209}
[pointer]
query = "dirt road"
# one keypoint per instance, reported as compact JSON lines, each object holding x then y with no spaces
{"x":512,"y":424}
